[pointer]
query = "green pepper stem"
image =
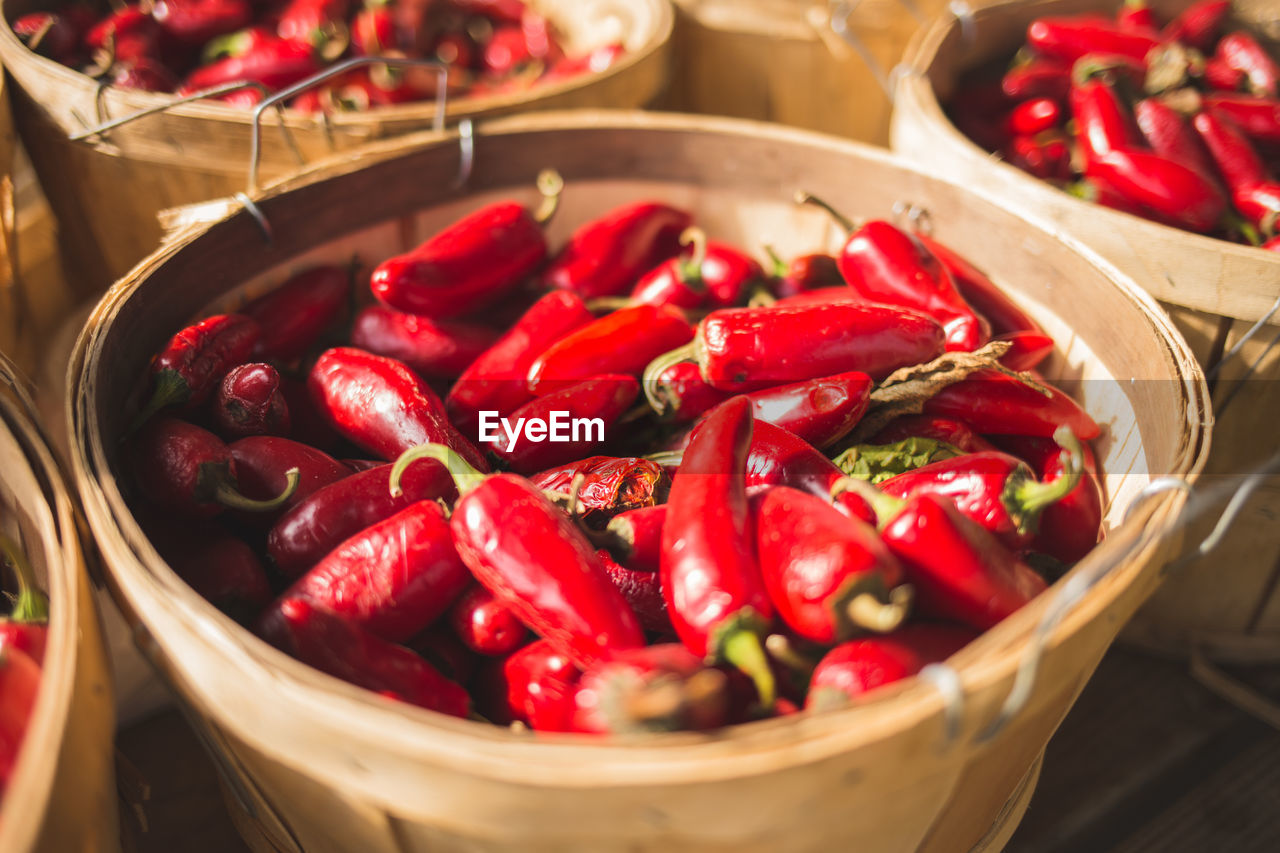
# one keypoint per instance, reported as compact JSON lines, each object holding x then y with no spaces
{"x":609,"y":303}
{"x":779,"y":265}
{"x":171,"y":389}
{"x":869,"y":613}
{"x":649,"y":379}
{"x":782,"y":650}
{"x":465,"y":477}
{"x":691,"y":269}
{"x":884,"y":506}
{"x":227,"y":495}
{"x":1027,"y":497}
{"x":551,"y":185}
{"x":843,"y":221}
{"x":742,"y":648}
{"x":31,"y":605}
{"x":760,"y":296}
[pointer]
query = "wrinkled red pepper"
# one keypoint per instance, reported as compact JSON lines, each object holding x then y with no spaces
{"x":610,"y":485}
{"x":188,"y":369}
{"x":249,"y":402}
{"x":643,"y":592}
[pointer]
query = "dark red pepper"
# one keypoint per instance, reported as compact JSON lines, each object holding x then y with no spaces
{"x":710,"y":576}
{"x":1068,"y":39}
{"x":804,"y":273}
{"x":610,"y":485}
{"x":194,"y":22}
{"x":541,"y":683}
{"x":607,"y":255}
{"x":1071,"y":527}
{"x":443,"y":650}
{"x":223,"y":569}
{"x":56,"y":36}
{"x":188,"y":369}
{"x":534,"y":560}
{"x":499,"y":11}
{"x":147,"y":75}
{"x":264,"y":466}
{"x":642,"y":590}
{"x":484,"y":624}
{"x":713,"y":275}
{"x":1047,"y":157}
{"x":851,"y":669}
{"x":1198,"y":24}
{"x":1241,"y":51}
{"x":1037,"y":78}
{"x":294,"y":315}
{"x":433,"y":348}
{"x":342,"y":649}
{"x":829,"y":576}
{"x":249,"y":402}
{"x":998,"y":404}
{"x":382,"y":406}
{"x":126,"y":34}
{"x":333,"y":513}
{"x":953,"y":432}
{"x":659,"y":688}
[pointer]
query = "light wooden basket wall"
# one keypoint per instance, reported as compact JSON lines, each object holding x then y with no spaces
{"x":62,"y":795}
{"x":107,"y":191}
{"x":1215,"y":290}
{"x":311,"y":763}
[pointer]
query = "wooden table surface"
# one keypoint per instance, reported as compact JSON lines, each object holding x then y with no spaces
{"x":1148,"y":761}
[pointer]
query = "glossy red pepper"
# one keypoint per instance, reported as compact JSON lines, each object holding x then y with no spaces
{"x":541,"y":682}
{"x":980,"y":291}
{"x":1170,"y":135}
{"x":956,"y":433}
{"x":126,"y":34}
{"x":1068,"y":39}
{"x":803,"y":273}
{"x":593,"y":62}
{"x":1241,"y":51}
{"x":27,"y":626}
{"x":1103,"y":123}
{"x":1136,"y":15}
{"x":997,"y":404}
{"x":996,"y":490}
{"x":1033,"y":116}
{"x":314,"y":22}
{"x":744,"y":349}
{"x":621,"y":342}
{"x":1175,"y":192}
{"x":1037,"y":78}
{"x":659,"y":688}
{"x":711,"y":274}
{"x":610,"y":485}
{"x":1047,"y":157}
{"x":643,"y":592}
{"x":607,"y":255}
{"x":382,"y":406}
{"x":1272,"y":245}
{"x":1219,"y":75}
{"x":1097,"y":192}
{"x":560,"y":427}
{"x":340,"y":510}
{"x":506,"y":52}
{"x":781,"y":458}
{"x":147,"y":75}
{"x":710,"y":576}
{"x":473,"y":262}
{"x":534,"y":560}
{"x":1198,"y":24}
{"x":496,"y":380}
{"x":960,"y":572}
{"x":187,"y":371}
{"x":1027,"y":349}
{"x":188,"y":471}
{"x":249,"y":402}
{"x":1071,"y":527}
{"x":392,"y":579}
{"x":829,"y":576}
{"x":273,"y":62}
{"x":1259,"y":118}
{"x":1253,"y":191}
{"x":678,"y":392}
{"x":851,"y":669}
{"x":484,"y":624}
{"x":194,"y":22}
{"x":433,"y":348}
{"x":294,"y":315}
{"x":635,"y":537}
{"x":264,"y":466}
{"x":19,"y":685}
{"x":342,"y":649}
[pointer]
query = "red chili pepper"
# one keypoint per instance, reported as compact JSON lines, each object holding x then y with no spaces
{"x":314,"y":22}
{"x":710,"y":576}
{"x":1259,"y":118}
{"x":506,"y":51}
{"x":551,"y":423}
{"x":1071,"y":527}
{"x":27,"y":625}
{"x":541,"y":684}
{"x":443,"y":349}
{"x":249,"y":402}
{"x":1037,"y":78}
{"x":294,"y":315}
{"x":658,"y":688}
{"x":996,"y":490}
{"x":596,"y":61}
{"x":830,"y":576}
{"x":373,"y":31}
{"x":1169,"y":134}
{"x":956,"y":433}
{"x":1253,"y":191}
{"x":224,"y":570}
{"x":1047,"y":157}
{"x":1105,"y":195}
{"x":188,"y":369}
{"x":960,"y":572}
{"x":980,"y":291}
{"x":1136,"y":15}
{"x":392,"y":579}
{"x":147,"y":75}
{"x":340,"y":510}
{"x":643,"y":592}
{"x":823,"y":296}
{"x":495,"y":381}
{"x":443,"y":650}
{"x":1027,"y":351}
{"x":342,"y":649}
{"x":714,"y":275}
{"x":457,"y":50}
{"x":1033,"y":116}
{"x":1221,"y":76}
{"x":273,"y":62}
{"x":851,"y":669}
{"x":1272,"y":245}
{"x":804,"y":273}
{"x":484,"y":624}
{"x":382,"y":406}
{"x":1198,"y":24}
{"x":1103,"y":122}
{"x":126,"y":34}
{"x":19,"y":685}
{"x":621,"y":342}
{"x":635,"y":537}
{"x":1068,"y":39}
{"x":781,"y":458}
{"x":683,"y":394}
{"x":1175,"y":192}
{"x":605,"y":256}
{"x":1241,"y":51}
{"x":742,"y":349}
{"x":264,"y":466}
{"x":997,"y":404}
{"x":540,"y":39}
{"x":189,"y":471}
{"x":194,"y":22}
{"x":56,"y":36}
{"x":610,"y":485}
{"x":473,"y":262}
{"x":534,"y":560}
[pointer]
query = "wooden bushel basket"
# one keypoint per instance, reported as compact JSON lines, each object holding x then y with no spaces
{"x":311,"y":763}
{"x":62,"y":795}
{"x":1215,"y":290}
{"x":106,"y":191}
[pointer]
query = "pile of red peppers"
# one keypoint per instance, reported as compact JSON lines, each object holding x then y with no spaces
{"x":1175,"y":121}
{"x":24,"y":633}
{"x":183,"y":46}
{"x":705,"y":558}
